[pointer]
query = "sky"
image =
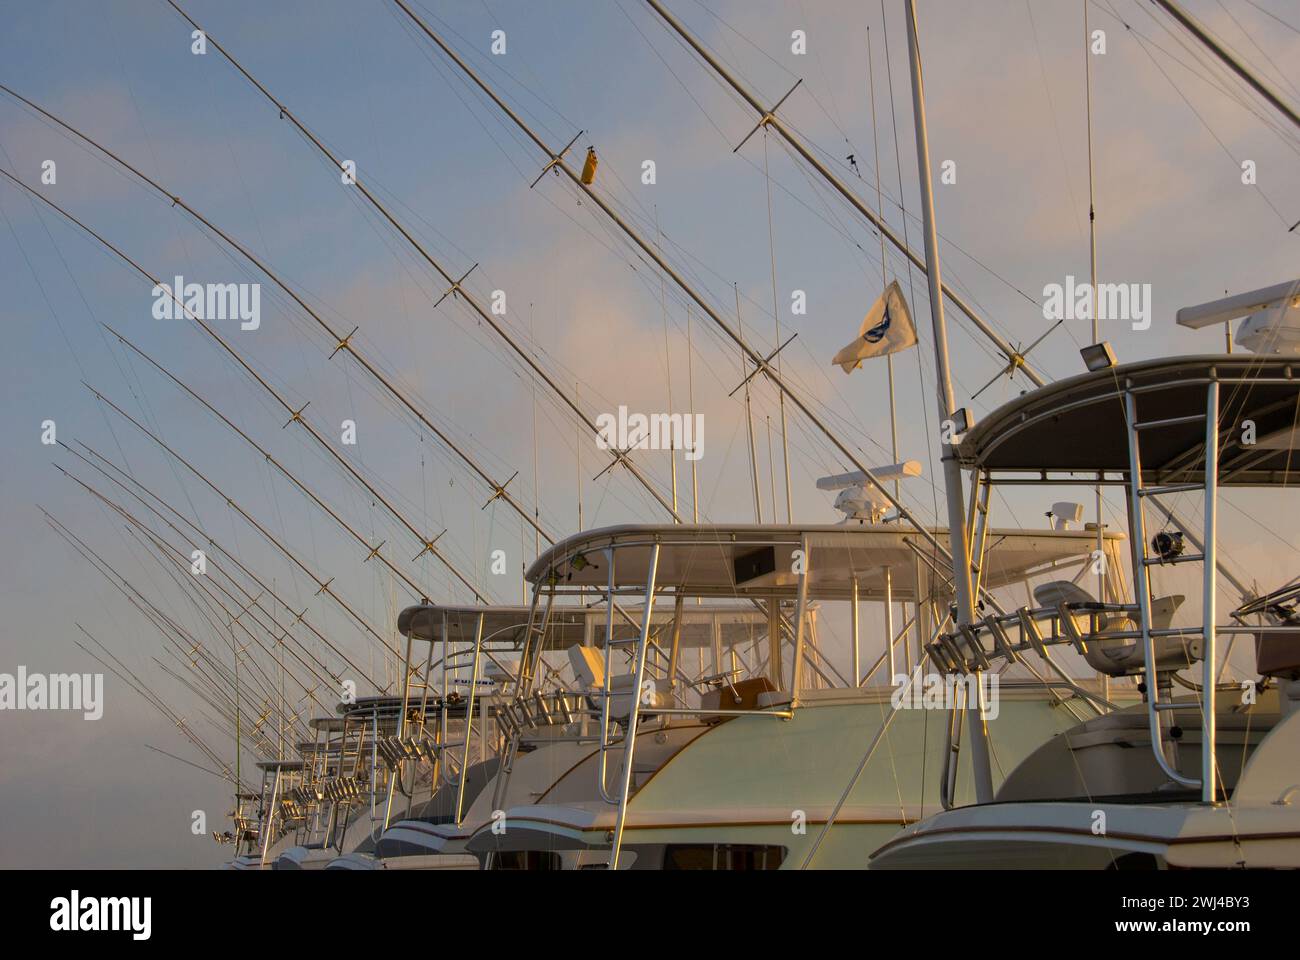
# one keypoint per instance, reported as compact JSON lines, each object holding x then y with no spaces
{"x":1005,"y":87}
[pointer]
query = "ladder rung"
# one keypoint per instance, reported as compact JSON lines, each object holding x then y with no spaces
{"x":1182,"y":558}
{"x":1169,"y":488}
{"x":1168,"y":422}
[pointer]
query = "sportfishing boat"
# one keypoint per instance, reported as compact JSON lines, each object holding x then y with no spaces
{"x":269,"y":826}
{"x":896,"y":690}
{"x":546,"y":733}
{"x":1208,"y":777}
{"x":761,"y":746}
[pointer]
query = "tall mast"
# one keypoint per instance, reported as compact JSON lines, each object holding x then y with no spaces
{"x":884,"y":266}
{"x":1096,"y":322}
{"x":957,"y":534}
{"x":1092,"y":200}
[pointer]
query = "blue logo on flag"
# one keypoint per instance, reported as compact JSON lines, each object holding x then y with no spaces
{"x":877,"y":333}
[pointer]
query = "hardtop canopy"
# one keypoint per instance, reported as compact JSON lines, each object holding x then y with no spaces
{"x":753,"y":560}
{"x":1079,"y":424}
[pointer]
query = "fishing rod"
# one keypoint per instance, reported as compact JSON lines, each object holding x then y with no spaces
{"x":342,"y":343}
{"x":455,"y":289}
{"x":138,"y":686}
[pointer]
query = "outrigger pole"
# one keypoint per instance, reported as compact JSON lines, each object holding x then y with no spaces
{"x":295,"y":413}
{"x":958,"y":535}
{"x":160,"y":620}
{"x":105,"y":569}
{"x":157,"y":702}
{"x":1015,"y":359}
{"x":427,"y":546}
{"x":209,"y":607}
{"x":1258,"y":84}
{"x":455,"y":288}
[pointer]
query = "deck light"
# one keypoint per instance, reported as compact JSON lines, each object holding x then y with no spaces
{"x":1098,"y":356}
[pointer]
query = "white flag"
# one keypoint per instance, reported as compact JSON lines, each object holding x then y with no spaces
{"x":887,"y":328}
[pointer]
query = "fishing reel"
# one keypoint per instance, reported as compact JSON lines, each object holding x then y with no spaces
{"x":1168,"y":544}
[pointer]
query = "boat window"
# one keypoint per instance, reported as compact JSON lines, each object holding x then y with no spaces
{"x":723,"y":856}
{"x":526,"y":860}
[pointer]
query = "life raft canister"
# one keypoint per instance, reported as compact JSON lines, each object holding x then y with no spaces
{"x":589,"y":168}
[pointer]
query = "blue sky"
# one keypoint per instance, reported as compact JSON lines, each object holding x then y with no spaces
{"x":1006,"y":94}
